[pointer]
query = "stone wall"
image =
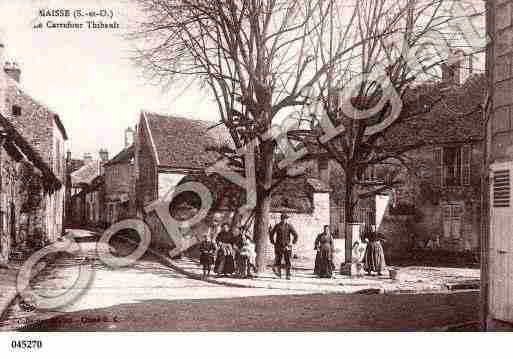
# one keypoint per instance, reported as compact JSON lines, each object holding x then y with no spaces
{"x":307,"y":225}
{"x":145,"y":172}
{"x":37,"y":124}
{"x":427,"y":200}
{"x":498,"y":297}
{"x":23,"y":208}
{"x":118,"y":187}
{"x":117,"y":180}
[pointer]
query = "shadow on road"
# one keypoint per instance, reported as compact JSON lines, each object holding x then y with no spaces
{"x":316,"y":312}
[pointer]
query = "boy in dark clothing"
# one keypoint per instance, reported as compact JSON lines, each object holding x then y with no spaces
{"x":207,"y":254}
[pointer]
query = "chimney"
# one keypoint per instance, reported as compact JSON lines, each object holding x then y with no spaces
{"x":87,"y":158}
{"x":3,"y":82}
{"x":324,"y":168}
{"x":104,"y":155}
{"x":451,"y":71}
{"x":13,"y":71}
{"x":129,"y":137}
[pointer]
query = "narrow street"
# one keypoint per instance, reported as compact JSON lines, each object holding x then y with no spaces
{"x":150,"y":296}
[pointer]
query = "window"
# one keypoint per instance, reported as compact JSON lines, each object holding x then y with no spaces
{"x":369,"y":174}
{"x":453,"y":165}
{"x":16,"y":110}
{"x":452,"y":214}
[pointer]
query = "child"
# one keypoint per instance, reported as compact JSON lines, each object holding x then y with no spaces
{"x":248,"y":255}
{"x":207,"y":254}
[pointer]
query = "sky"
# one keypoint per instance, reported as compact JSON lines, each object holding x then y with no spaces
{"x":86,"y":76}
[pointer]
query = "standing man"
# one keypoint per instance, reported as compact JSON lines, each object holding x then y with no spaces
{"x":283,"y":244}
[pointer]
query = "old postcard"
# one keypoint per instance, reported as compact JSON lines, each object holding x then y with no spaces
{"x":255,"y":166}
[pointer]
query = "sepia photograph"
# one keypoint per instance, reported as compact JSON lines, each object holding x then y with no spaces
{"x":291,"y":166}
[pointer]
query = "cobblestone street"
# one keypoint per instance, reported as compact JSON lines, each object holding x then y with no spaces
{"x":150,"y":296}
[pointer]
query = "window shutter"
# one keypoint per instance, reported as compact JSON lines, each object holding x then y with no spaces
{"x":446,"y":221}
{"x":501,"y":188}
{"x":438,"y":161}
{"x":466,"y":154}
{"x":457,"y":219}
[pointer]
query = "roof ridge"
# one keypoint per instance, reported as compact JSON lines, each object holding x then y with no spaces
{"x":179,"y":117}
{"x":39,"y":102}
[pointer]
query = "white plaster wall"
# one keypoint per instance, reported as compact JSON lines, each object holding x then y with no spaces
{"x":382,"y":202}
{"x":166,"y":181}
{"x":307,"y":225}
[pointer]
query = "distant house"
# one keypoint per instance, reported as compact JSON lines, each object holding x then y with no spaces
{"x":87,"y":193}
{"x":94,"y":203}
{"x":119,"y":180}
{"x":170,"y":151}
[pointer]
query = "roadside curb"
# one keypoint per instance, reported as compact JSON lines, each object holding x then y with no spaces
{"x":469,"y":285}
{"x":453,"y":327}
{"x":444,"y":288}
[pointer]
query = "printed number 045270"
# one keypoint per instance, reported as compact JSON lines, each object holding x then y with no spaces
{"x":26,"y":344}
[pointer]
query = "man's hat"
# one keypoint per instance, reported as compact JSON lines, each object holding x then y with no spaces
{"x":284,"y":216}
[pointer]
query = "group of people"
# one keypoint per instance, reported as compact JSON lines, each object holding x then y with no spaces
{"x":231,"y":252}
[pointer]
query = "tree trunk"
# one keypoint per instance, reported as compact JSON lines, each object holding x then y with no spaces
{"x":261,"y":230}
{"x":263,"y":207}
{"x":349,"y":207}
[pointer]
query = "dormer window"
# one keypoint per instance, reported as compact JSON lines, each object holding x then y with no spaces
{"x":16,"y":110}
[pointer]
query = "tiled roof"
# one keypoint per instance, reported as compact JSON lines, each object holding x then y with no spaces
{"x":13,"y":85}
{"x":183,"y":143}
{"x":13,"y":135}
{"x":125,"y":155}
{"x":291,"y":195}
{"x":86,"y":174}
{"x":75,"y":164}
{"x":448,"y":121}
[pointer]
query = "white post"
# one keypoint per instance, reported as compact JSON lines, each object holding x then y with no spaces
{"x":3,"y":80}
{"x":352,"y":237}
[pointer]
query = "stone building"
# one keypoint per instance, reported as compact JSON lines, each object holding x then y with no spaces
{"x":94,"y":203}
{"x":26,"y":183}
{"x":43,"y":130}
{"x":440,"y":194}
{"x":119,"y":182}
{"x":497,"y":253}
{"x":170,"y":151}
{"x":87,"y":198}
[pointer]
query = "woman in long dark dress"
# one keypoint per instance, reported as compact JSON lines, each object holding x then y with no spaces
{"x":324,"y":259}
{"x":374,"y":259}
{"x":225,"y":262}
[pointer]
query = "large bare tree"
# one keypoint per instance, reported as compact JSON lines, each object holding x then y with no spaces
{"x":393,"y":78}
{"x":258,"y":58}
